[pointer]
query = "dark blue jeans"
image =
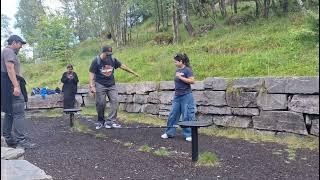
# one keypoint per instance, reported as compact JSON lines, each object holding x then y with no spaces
{"x":183,"y":106}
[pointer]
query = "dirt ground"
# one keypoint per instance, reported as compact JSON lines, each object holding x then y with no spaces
{"x":66,"y":155}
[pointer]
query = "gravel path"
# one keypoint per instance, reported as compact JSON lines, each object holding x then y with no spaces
{"x":65,"y":154}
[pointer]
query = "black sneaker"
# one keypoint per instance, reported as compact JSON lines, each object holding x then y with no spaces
{"x":24,"y":144}
{"x":11,"y":143}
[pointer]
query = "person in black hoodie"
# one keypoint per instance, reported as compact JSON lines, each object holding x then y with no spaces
{"x":69,"y":88}
{"x":13,"y":95}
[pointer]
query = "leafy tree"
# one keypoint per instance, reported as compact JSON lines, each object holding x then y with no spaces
{"x":27,"y":18}
{"x":5,"y":30}
{"x":54,"y":38}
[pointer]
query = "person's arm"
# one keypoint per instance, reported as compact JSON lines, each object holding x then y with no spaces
{"x":75,"y":78}
{"x":64,"y":78}
{"x":92,"y":87}
{"x":126,"y":68}
{"x":188,"y":80}
{"x":12,"y":76}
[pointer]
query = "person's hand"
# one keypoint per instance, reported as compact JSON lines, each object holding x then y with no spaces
{"x":92,"y":89}
{"x":16,"y":91}
{"x":179,"y":74}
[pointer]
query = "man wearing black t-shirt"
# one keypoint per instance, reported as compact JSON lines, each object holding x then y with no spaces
{"x":102,"y":83}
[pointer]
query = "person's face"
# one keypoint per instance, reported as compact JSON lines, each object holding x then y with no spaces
{"x":70,"y":69}
{"x":16,"y":46}
{"x":178,"y":64}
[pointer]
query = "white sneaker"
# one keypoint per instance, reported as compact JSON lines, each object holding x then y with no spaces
{"x":164,"y":136}
{"x":99,"y":125}
{"x":115,"y":125}
{"x":107,"y":126}
{"x":189,"y":139}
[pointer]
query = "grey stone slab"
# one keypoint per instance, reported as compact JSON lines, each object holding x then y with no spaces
{"x":272,"y":101}
{"x":292,"y":85}
{"x":315,"y":127}
{"x":140,"y":99}
{"x":280,"y":121}
{"x":232,"y":121}
{"x":166,"y":85}
{"x":214,"y":110}
{"x":305,"y":104}
{"x":8,"y":153}
{"x":241,"y":99}
{"x":248,"y":84}
{"x":150,"y":109}
{"x":198,"y":85}
{"x":245,"y":111}
{"x":215,"y":83}
{"x":133,"y":107}
{"x":21,"y":170}
{"x":215,"y":98}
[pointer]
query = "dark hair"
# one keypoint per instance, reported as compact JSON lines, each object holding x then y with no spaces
{"x":15,"y":38}
{"x":182,"y":57}
{"x":69,"y":66}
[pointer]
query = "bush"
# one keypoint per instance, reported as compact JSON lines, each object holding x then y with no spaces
{"x":163,"y":38}
{"x":310,"y":30}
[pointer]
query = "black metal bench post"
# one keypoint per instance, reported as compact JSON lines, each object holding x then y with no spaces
{"x":71,"y":113}
{"x":194,"y":142}
{"x":71,"y":119}
{"x":194,"y":125}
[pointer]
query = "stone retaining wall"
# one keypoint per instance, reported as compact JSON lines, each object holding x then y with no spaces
{"x":276,"y":104}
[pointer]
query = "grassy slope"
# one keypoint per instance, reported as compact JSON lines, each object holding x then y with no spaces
{"x":263,"y":48}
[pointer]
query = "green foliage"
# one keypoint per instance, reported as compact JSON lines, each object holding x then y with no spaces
{"x":54,"y":38}
{"x":27,"y":17}
{"x":310,"y":30}
{"x":208,"y":159}
{"x":161,"y":152}
{"x":145,"y":148}
{"x":4,"y":26}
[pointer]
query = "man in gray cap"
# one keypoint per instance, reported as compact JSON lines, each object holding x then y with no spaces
{"x":13,"y":95}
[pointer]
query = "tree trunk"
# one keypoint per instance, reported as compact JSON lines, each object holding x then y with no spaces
{"x":223,"y":9}
{"x":235,"y":6}
{"x":213,"y":8}
{"x":175,"y":23}
{"x":158,"y":15}
{"x":185,"y":17}
{"x":285,"y":4}
{"x":266,"y":7}
{"x":257,"y":8}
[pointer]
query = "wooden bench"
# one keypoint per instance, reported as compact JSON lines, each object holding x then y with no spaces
{"x":83,"y":93}
{"x":194,"y":125}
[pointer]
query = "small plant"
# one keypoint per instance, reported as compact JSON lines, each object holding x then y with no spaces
{"x":77,"y":127}
{"x":128,"y":144}
{"x":145,"y":148}
{"x":162,"y":152}
{"x":100,"y":135}
{"x":208,"y":159}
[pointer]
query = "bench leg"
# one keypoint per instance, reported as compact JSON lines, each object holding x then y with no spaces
{"x":194,"y":135}
{"x":82,"y":105}
{"x":71,"y":119}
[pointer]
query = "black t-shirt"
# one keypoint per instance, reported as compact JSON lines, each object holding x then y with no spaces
{"x":104,"y":70}
{"x":181,"y":87}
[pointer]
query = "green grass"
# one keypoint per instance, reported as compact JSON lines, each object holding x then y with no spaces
{"x":161,"y":152}
{"x":207,"y":159}
{"x":145,"y":148}
{"x":262,"y":48}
